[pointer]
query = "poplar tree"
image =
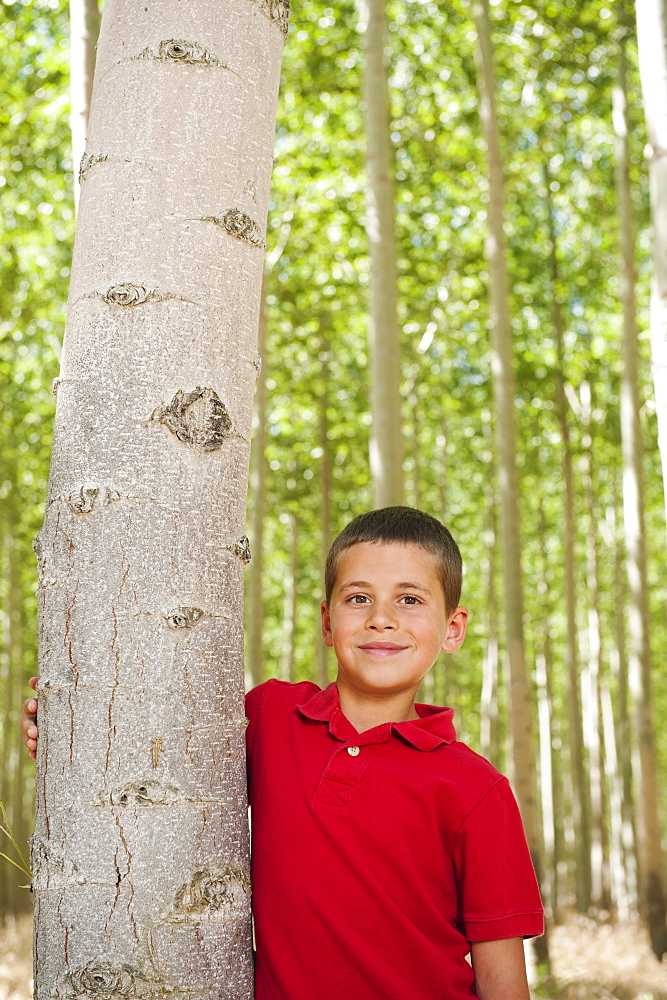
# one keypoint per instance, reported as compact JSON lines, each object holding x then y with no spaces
{"x":386,"y":443}
{"x":140,"y":854}
{"x":652,"y":43}
{"x":651,"y":863}
{"x":504,"y":382}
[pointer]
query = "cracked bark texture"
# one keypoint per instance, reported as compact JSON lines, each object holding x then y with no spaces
{"x":141,"y":777}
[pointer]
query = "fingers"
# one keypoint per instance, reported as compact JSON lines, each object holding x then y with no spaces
{"x":29,"y":722}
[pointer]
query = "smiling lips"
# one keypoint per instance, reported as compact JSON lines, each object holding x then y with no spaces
{"x":382,"y":648}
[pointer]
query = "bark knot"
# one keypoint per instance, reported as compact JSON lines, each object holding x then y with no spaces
{"x":212,"y":889}
{"x":89,"y":160}
{"x":241,"y":549}
{"x":239,"y":225}
{"x":180,"y":50}
{"x":277,"y":11}
{"x":101,"y":979}
{"x":87,"y":498}
{"x":184,"y":617}
{"x":197,"y":418}
{"x":127,"y":294}
{"x":142,"y":792}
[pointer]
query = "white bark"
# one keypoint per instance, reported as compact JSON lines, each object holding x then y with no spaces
{"x":651,"y":864}
{"x":386,"y":444}
{"x":521,"y":712}
{"x":258,"y":491}
{"x":624,"y":741}
{"x":593,"y":669}
{"x":652,"y":43}
{"x":581,"y":808}
{"x":140,"y":855}
{"x":84,"y":31}
{"x":288,"y":657}
{"x":325,"y":481}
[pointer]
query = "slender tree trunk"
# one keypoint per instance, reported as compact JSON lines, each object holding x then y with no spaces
{"x":386,"y":446}
{"x":521,"y":715}
{"x":552,"y":832}
{"x":624,"y":739}
{"x":84,"y":32}
{"x":140,"y":855}
{"x":322,"y":651}
{"x":290,"y":601}
{"x":652,"y":42}
{"x":258,"y":482}
{"x":593,"y":672}
{"x":617,"y":878}
{"x":650,"y":849}
{"x":490,"y":728}
{"x":581,"y":809}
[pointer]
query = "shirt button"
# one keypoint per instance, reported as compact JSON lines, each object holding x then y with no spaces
{"x":353,"y":751}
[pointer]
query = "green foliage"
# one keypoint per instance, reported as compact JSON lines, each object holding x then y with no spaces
{"x":556,"y":65}
{"x":35,"y":251}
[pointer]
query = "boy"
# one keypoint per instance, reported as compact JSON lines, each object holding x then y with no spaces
{"x":383,"y":850}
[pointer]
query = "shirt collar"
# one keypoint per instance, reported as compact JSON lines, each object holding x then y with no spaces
{"x":434,"y":727}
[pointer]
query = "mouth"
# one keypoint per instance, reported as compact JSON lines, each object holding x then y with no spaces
{"x":382,"y":648}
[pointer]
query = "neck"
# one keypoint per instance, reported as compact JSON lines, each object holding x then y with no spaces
{"x":366,"y":712}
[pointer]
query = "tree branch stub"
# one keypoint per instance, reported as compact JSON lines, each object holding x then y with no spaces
{"x":182,"y":51}
{"x":277,"y":11}
{"x":239,"y":225}
{"x":198,"y":418}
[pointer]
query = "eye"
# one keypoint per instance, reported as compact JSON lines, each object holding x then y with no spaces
{"x":357,"y":599}
{"x":410,"y":600}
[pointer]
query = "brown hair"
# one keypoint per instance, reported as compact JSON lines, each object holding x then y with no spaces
{"x":410,"y":527}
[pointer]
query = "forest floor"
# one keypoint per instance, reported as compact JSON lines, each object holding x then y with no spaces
{"x":591,"y":962}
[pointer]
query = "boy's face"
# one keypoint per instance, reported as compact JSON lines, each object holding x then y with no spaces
{"x":386,"y":619}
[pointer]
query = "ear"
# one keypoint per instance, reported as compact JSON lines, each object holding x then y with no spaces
{"x":456,"y":630}
{"x":327,"y":634}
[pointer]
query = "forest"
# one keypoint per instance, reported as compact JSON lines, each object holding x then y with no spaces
{"x":458,"y":291}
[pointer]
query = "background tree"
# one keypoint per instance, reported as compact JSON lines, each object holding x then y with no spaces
{"x":521,"y":715}
{"x":386,"y":440}
{"x":652,"y":42}
{"x":634,"y":520}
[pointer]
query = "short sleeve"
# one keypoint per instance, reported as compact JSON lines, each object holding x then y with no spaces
{"x":498,"y":892}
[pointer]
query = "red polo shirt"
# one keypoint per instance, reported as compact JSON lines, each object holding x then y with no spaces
{"x":376,"y":857}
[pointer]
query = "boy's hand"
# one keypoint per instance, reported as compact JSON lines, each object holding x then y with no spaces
{"x":29,"y":722}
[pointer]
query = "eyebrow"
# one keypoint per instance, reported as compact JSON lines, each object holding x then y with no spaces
{"x":399,"y":586}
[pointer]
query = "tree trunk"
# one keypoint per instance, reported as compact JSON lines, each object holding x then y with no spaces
{"x":550,"y":792}
{"x":258,"y":481}
{"x":581,"y":810}
{"x":624,"y":741}
{"x":288,"y":657}
{"x":140,"y":855}
{"x":617,"y":876}
{"x":322,"y":651}
{"x":489,"y":737}
{"x":593,"y":672}
{"x":521,"y":715}
{"x":652,"y":43}
{"x":84,"y":32}
{"x":650,"y":850}
{"x":386,"y":444}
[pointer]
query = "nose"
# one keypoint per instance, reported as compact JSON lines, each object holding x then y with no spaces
{"x":382,"y":616}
